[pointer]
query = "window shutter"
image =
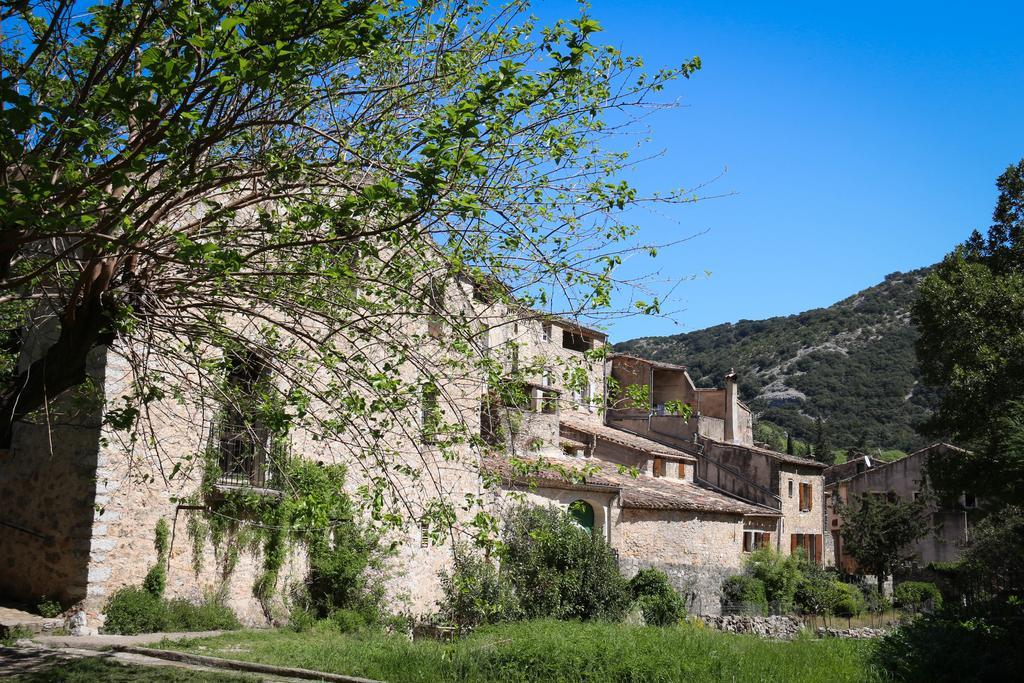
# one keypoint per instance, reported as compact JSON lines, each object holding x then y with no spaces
{"x":766,"y":540}
{"x":792,"y":543}
{"x":817,"y":549}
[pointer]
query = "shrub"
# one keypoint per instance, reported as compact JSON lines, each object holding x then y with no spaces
{"x":938,"y":648}
{"x":875,"y":602}
{"x":917,"y":595}
{"x":349,"y":620}
{"x":820,"y":592}
{"x":474,"y":593}
{"x":558,"y":569}
{"x":781,"y":576}
{"x":156,"y":580}
{"x":745,"y":593}
{"x":49,"y":608}
{"x":183,"y":615}
{"x":134,"y":610}
{"x":658,"y":600}
{"x":848,"y":600}
{"x":339,"y":567}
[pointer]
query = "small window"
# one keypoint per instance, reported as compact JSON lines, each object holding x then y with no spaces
{"x":755,"y":540}
{"x":548,"y":402}
{"x":807,"y":546}
{"x":790,"y":488}
{"x":430,"y":414}
{"x":545,"y":332}
{"x":583,"y":513}
{"x":576,"y":342}
{"x":659,"y":467}
{"x":970,"y":502}
{"x":806,"y":499}
{"x":424,"y":534}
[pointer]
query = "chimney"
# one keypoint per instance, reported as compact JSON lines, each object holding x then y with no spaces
{"x":731,"y":409}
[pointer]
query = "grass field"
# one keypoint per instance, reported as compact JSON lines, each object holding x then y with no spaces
{"x":553,"y":651}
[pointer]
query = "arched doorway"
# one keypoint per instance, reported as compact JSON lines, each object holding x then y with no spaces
{"x":583,"y":513}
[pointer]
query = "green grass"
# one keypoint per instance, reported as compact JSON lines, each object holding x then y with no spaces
{"x":94,"y":669}
{"x":552,"y":651}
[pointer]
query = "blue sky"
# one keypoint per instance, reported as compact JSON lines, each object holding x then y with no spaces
{"x":858,"y":139}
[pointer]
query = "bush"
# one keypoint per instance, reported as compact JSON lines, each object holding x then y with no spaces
{"x":658,"y":600}
{"x":875,"y":602}
{"x":916,"y":596}
{"x":745,"y":593}
{"x":183,"y":615}
{"x":938,"y":648}
{"x":349,"y":620}
{"x":156,"y":580}
{"x":820,"y":592}
{"x":475,"y":593}
{"x":781,"y":576}
{"x":134,"y":610}
{"x":339,"y":569}
{"x":848,"y":600}
{"x":558,"y":569}
{"x":49,"y":608}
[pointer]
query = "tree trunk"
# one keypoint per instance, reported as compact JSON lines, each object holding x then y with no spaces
{"x":62,"y":366}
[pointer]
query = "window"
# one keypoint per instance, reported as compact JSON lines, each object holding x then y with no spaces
{"x":807,"y":546}
{"x":806,"y":499}
{"x":424,"y":534}
{"x":244,"y":438}
{"x":790,"y":488}
{"x":548,"y":402}
{"x":581,"y":395}
{"x":970,"y":501}
{"x":583,"y":513}
{"x":545,"y":332}
{"x":755,"y":540}
{"x":430,"y":414}
{"x":576,"y":342}
{"x":659,"y":467}
{"x":682,"y":471}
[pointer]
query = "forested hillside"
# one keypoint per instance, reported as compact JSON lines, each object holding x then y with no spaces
{"x":852,"y":364}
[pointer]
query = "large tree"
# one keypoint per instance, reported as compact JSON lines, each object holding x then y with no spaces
{"x":171,"y":167}
{"x":970,"y":313}
{"x":878,"y":531}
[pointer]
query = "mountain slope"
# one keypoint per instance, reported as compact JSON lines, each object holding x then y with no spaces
{"x":852,"y":363}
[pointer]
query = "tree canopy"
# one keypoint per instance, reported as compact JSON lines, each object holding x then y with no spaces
{"x":878,"y":530}
{"x":289,"y":177}
{"x":970,"y":312}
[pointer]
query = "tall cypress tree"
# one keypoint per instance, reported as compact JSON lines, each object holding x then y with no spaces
{"x":822,"y":446}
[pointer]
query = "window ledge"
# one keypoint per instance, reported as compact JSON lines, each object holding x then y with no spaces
{"x":223,"y":487}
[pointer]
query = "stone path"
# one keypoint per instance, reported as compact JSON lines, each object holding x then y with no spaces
{"x":43,"y":652}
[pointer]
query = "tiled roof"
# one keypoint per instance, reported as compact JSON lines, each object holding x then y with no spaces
{"x":647,"y":361}
{"x":782,"y":457}
{"x":621,"y":438}
{"x":641,"y":492}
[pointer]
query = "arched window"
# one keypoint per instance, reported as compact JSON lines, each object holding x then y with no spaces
{"x":583,"y":513}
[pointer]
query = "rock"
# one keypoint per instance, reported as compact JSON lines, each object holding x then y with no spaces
{"x":78,"y":625}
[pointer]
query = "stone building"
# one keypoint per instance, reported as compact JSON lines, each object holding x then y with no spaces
{"x":79,"y":503}
{"x":718,"y":433}
{"x":906,"y":479}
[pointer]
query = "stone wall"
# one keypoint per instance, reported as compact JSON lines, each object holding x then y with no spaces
{"x":781,"y":627}
{"x":48,"y":494}
{"x":697,"y":550}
